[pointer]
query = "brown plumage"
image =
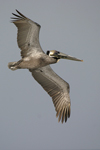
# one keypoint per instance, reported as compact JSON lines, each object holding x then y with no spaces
{"x":34,"y":59}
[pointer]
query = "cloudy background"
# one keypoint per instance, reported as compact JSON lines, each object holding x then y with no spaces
{"x":27,"y":115}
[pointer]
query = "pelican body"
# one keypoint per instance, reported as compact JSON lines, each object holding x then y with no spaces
{"x":38,"y":63}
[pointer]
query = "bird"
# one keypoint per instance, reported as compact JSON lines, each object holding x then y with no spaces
{"x":38,"y":63}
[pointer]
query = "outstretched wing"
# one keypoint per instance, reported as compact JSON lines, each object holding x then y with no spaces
{"x":28,"y":35}
{"x":57,"y":88}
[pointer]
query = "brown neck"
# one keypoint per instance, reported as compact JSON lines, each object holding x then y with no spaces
{"x":50,"y":60}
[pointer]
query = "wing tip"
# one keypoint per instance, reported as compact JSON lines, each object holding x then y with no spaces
{"x":63,"y":114}
{"x":20,"y":16}
{"x":17,"y":16}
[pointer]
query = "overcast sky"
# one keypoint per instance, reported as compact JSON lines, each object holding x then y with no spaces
{"x":27,"y":115}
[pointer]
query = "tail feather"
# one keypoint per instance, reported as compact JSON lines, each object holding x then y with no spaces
{"x":12,"y":66}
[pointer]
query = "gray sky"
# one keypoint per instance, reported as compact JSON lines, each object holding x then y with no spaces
{"x":27,"y":115}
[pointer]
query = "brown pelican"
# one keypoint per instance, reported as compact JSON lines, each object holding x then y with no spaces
{"x":34,"y":59}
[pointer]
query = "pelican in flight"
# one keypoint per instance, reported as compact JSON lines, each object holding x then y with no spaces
{"x":38,"y":63}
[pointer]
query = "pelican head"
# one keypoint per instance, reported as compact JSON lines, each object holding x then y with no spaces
{"x":58,"y":55}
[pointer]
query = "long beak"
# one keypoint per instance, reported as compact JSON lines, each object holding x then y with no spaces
{"x":64,"y":56}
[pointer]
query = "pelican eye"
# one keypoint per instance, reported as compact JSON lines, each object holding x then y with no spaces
{"x":57,"y":52}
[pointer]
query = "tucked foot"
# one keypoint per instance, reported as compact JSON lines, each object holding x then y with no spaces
{"x":12,"y":65}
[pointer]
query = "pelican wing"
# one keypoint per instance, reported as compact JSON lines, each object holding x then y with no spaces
{"x":57,"y":88}
{"x":28,"y":35}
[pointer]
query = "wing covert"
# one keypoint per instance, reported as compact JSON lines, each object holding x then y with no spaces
{"x":57,"y":88}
